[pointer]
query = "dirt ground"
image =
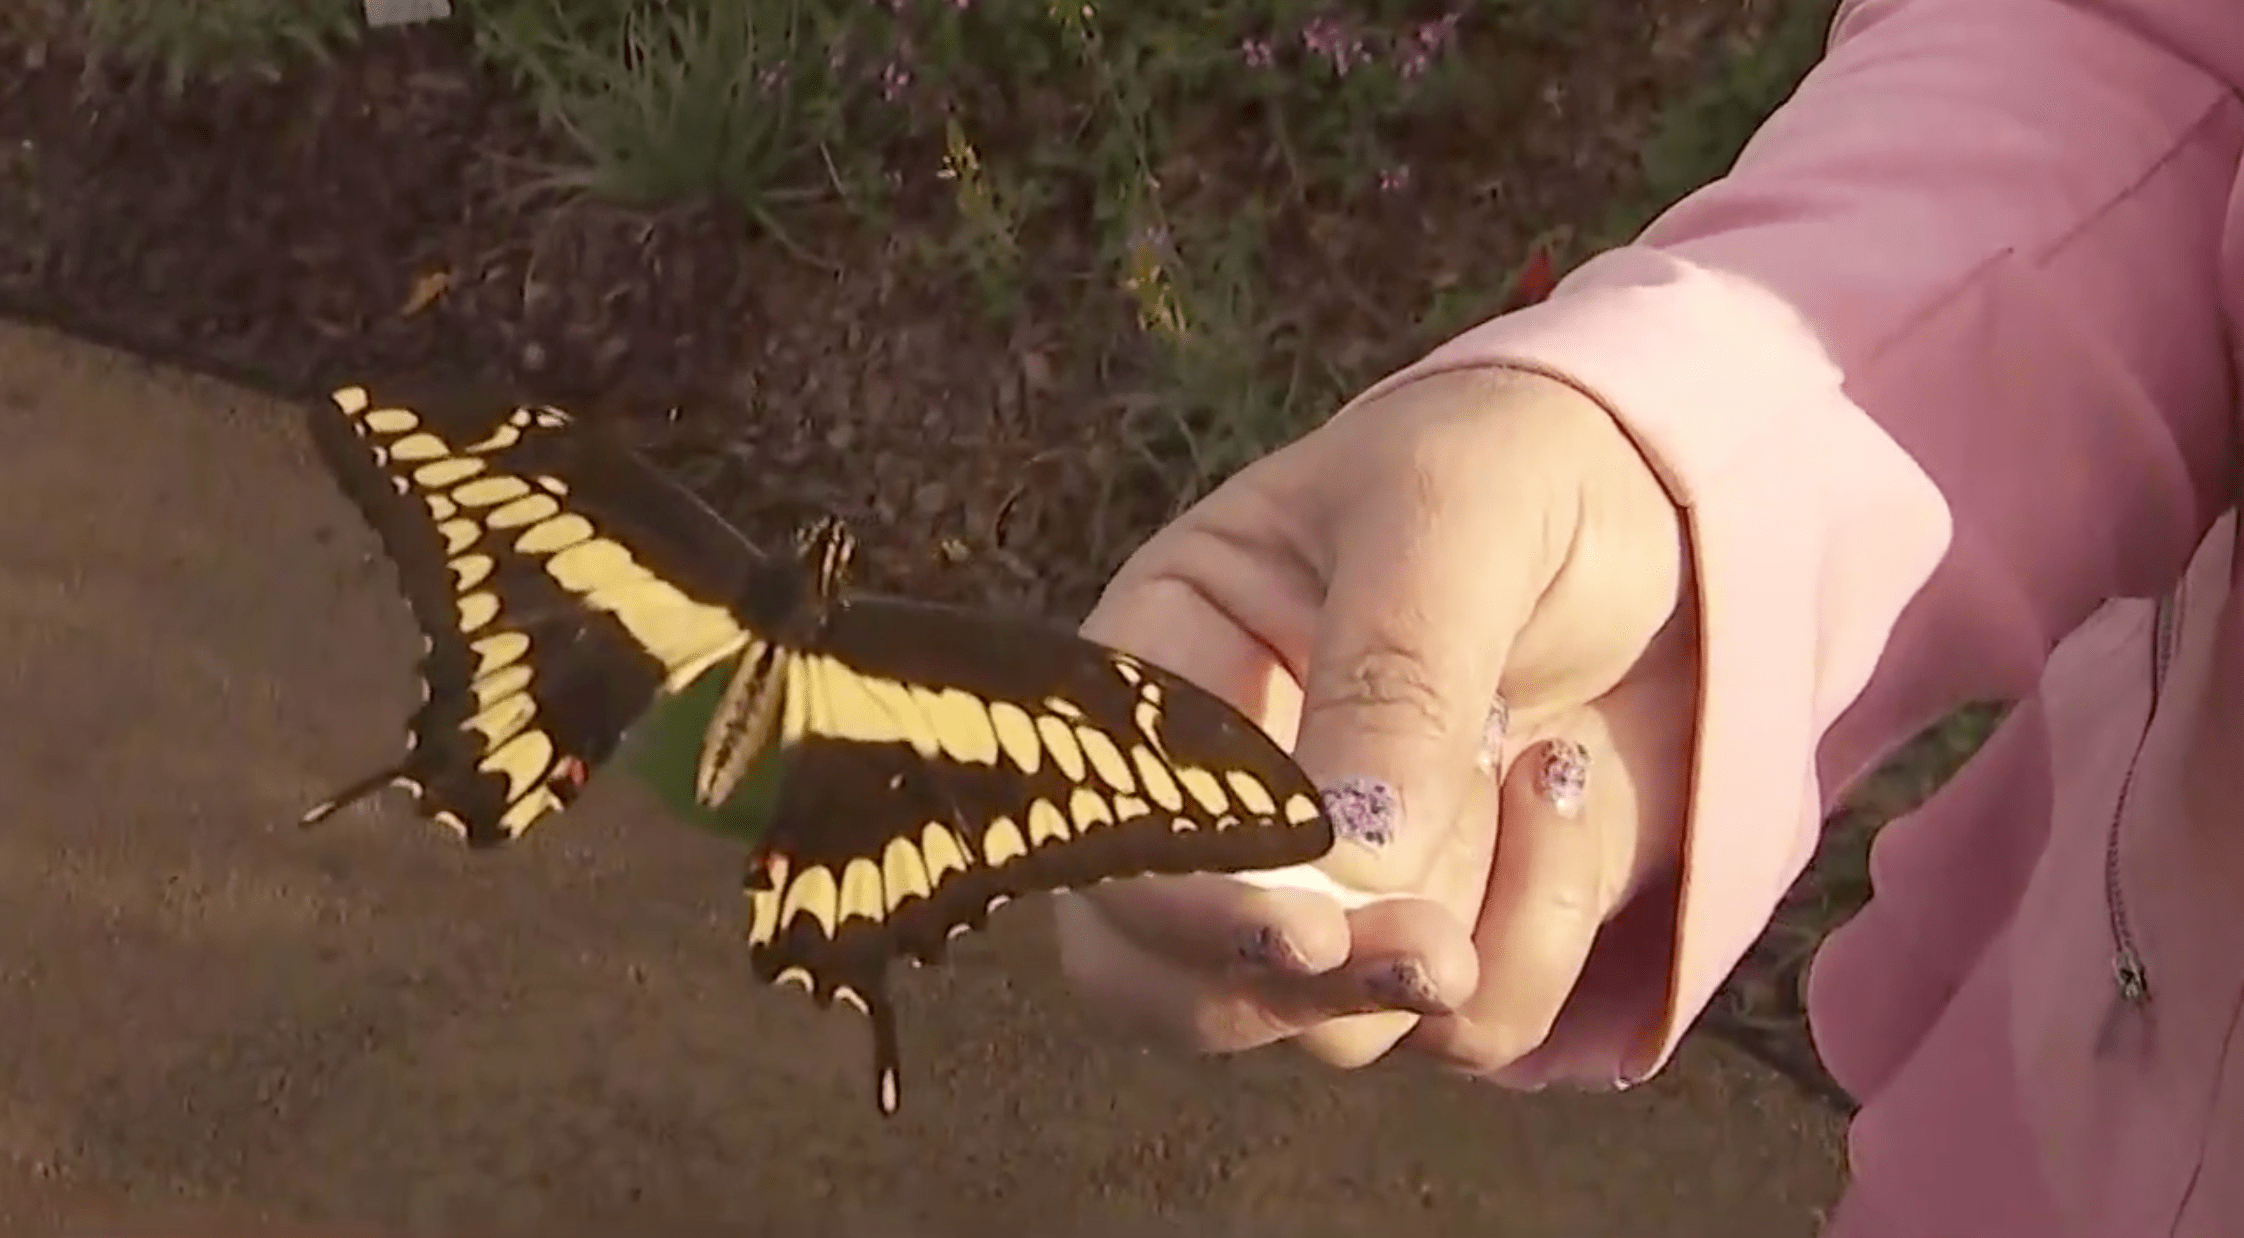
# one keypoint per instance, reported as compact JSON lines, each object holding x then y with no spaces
{"x":214,"y":1020}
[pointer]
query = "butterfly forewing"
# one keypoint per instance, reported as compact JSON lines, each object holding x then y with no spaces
{"x":941,"y":762}
{"x":559,"y":583}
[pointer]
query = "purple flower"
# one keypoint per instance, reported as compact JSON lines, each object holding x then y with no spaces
{"x":1436,"y":36}
{"x":1417,"y":53}
{"x":1340,"y":46}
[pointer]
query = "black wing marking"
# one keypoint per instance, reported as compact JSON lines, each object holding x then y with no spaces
{"x":945,"y":762}
{"x":560,"y":584}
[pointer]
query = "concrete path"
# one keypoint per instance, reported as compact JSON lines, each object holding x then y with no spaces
{"x":213,"y":1023}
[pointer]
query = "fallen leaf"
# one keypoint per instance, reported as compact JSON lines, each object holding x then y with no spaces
{"x":1537,"y":277}
{"x":426,"y":292}
{"x":1036,"y":373}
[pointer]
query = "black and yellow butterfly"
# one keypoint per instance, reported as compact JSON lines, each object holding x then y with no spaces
{"x":898,"y":768}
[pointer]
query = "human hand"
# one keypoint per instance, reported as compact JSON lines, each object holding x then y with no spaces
{"x":1373,"y":587}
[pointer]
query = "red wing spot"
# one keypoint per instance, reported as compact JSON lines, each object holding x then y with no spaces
{"x":568,"y":777}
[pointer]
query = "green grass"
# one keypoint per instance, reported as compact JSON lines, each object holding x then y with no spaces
{"x":185,"y":42}
{"x":666,"y":102}
{"x":1700,"y":135}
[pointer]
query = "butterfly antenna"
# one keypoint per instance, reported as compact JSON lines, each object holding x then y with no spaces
{"x":349,"y":795}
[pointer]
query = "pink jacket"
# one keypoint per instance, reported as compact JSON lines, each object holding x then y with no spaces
{"x":1946,"y":364}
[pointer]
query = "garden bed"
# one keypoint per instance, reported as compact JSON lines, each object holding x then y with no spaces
{"x":1002,"y":282}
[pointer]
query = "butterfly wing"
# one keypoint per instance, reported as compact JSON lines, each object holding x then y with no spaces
{"x":561,"y":585}
{"x":940,"y":762}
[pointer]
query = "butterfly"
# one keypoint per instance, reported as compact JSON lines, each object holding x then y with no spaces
{"x":897,"y":768}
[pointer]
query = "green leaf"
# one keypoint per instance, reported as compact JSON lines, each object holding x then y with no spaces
{"x":664,"y":747}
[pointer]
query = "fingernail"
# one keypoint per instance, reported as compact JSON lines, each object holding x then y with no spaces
{"x":1362,"y":810}
{"x":1404,"y":985}
{"x":1266,"y":947}
{"x":1492,"y":736}
{"x":1562,"y":777}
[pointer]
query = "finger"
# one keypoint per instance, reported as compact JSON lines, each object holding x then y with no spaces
{"x":1227,"y":1012}
{"x":1239,"y":648}
{"x":1412,"y":959}
{"x":1436,"y":933}
{"x":1549,"y":892}
{"x":1213,"y":924}
{"x":1428,"y":587}
{"x":1205,"y":922}
{"x":1138,"y":992}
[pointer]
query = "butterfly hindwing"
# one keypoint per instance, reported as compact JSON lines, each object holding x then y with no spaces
{"x":943,"y":762}
{"x":560,"y":585}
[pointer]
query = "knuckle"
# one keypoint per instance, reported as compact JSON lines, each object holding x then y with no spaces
{"x":1227,"y":1022}
{"x":1495,"y":1042}
{"x":1526,"y":1031}
{"x":1484,"y":1047}
{"x":1577,"y":906}
{"x":1387,"y":681}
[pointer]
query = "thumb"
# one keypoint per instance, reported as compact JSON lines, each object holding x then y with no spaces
{"x":1428,"y":589}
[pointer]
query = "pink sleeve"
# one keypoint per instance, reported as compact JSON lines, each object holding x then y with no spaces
{"x":1949,"y":338}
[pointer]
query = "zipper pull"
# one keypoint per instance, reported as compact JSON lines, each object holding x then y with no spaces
{"x":2133,"y":979}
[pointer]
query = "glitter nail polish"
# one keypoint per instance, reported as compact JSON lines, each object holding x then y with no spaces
{"x":1562,"y":776}
{"x":1404,"y":985}
{"x":1363,"y":810}
{"x":1263,"y":946}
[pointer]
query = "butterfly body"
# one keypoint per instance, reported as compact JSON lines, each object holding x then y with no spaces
{"x":897,"y":769}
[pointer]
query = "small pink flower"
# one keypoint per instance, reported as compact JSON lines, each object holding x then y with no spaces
{"x":1340,"y":47}
{"x":893,"y":80}
{"x":1256,"y":52}
{"x":1417,"y":53}
{"x":1394,"y":178}
{"x":1434,"y":36}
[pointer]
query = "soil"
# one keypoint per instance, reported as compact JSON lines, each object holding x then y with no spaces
{"x":283,"y":233}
